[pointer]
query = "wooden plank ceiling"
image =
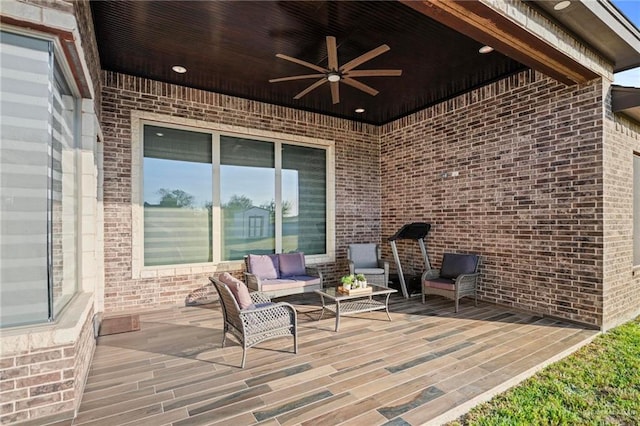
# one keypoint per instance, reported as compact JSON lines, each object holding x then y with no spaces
{"x":230,"y":47}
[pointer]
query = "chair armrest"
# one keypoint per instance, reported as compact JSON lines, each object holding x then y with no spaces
{"x":261,"y":318}
{"x":252,"y":281}
{"x":313,"y":271}
{"x":383,"y":265}
{"x":467,"y":279}
{"x":431,"y":274}
{"x":259,"y":297}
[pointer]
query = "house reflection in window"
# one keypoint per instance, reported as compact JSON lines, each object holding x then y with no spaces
{"x":256,"y":227}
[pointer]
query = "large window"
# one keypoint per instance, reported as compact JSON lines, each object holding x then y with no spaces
{"x":177,"y":196}
{"x":211,"y":197}
{"x":38,"y":180}
{"x":304,"y":194}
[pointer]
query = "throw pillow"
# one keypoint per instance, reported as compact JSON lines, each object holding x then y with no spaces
{"x":239,"y":290}
{"x":456,"y":264}
{"x":264,"y":266}
{"x":292,"y":264}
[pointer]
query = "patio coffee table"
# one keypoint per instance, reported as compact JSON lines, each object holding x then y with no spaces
{"x":354,"y":303}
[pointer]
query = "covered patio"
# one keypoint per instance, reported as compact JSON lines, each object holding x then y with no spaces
{"x":174,"y":137}
{"x":427,"y":366}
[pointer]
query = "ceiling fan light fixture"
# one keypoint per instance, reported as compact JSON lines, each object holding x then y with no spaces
{"x":333,"y":77}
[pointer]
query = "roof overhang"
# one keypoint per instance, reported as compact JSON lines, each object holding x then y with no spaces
{"x":626,"y":100}
{"x":602,"y":26}
{"x":481,"y":21}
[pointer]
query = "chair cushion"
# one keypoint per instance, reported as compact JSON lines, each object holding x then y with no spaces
{"x":441,"y":283}
{"x":364,"y":255}
{"x":296,"y":281}
{"x":456,"y":264}
{"x":264,"y":266}
{"x":263,"y":304}
{"x":239,"y":290}
{"x":291,"y":264}
{"x":369,"y":271}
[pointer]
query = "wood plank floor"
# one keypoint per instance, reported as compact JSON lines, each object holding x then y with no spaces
{"x":428,"y":365}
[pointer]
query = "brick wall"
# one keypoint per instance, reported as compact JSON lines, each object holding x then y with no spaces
{"x":44,"y":381}
{"x":357,"y":195}
{"x":528,"y":197}
{"x":621,"y":284}
{"x":82,"y":11}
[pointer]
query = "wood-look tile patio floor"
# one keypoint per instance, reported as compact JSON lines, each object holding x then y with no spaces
{"x":428,"y":365}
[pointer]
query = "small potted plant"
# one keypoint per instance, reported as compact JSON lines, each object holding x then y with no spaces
{"x":361,"y":280}
{"x":348,"y":281}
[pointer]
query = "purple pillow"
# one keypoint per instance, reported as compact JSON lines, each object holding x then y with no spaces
{"x":239,"y":290}
{"x":292,"y":264}
{"x":264,"y":266}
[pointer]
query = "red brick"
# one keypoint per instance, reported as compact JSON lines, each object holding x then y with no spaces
{"x":39,"y":357}
{"x":39,"y":379}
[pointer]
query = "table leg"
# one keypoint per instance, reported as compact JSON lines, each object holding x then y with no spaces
{"x":322,"y":312}
{"x":337,"y":314}
{"x":386,"y":306}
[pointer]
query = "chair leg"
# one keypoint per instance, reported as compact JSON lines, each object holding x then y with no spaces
{"x":244,"y":356}
{"x":423,"y":301}
{"x":457,"y":305}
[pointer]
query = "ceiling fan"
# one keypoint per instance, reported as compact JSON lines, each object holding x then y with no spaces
{"x":335,"y":74}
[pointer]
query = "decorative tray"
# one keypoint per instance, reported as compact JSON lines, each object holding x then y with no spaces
{"x":353,"y":291}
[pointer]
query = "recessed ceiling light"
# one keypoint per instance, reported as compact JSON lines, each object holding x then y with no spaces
{"x":160,"y":134}
{"x":359,"y":110}
{"x":485,"y":49}
{"x":179,"y":69}
{"x":562,"y":5}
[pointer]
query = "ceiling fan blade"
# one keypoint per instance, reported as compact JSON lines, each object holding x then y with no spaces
{"x":295,"y":77}
{"x":310,"y":88}
{"x":361,"y":86}
{"x":332,"y":53}
{"x":374,"y":73}
{"x":335,"y":92}
{"x":365,"y":57}
{"x":301,"y":62}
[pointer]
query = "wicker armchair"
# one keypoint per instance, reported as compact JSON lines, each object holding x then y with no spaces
{"x":366,"y":259}
{"x":263,"y":321}
{"x":455,"y":279}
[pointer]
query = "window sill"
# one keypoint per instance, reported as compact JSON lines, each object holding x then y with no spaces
{"x":210,"y":268}
{"x":66,"y":330}
{"x":186,"y":269}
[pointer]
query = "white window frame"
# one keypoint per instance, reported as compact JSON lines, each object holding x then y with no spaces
{"x":58,"y":308}
{"x":140,"y":118}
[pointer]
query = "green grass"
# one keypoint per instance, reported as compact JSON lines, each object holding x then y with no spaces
{"x":597,"y":385}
